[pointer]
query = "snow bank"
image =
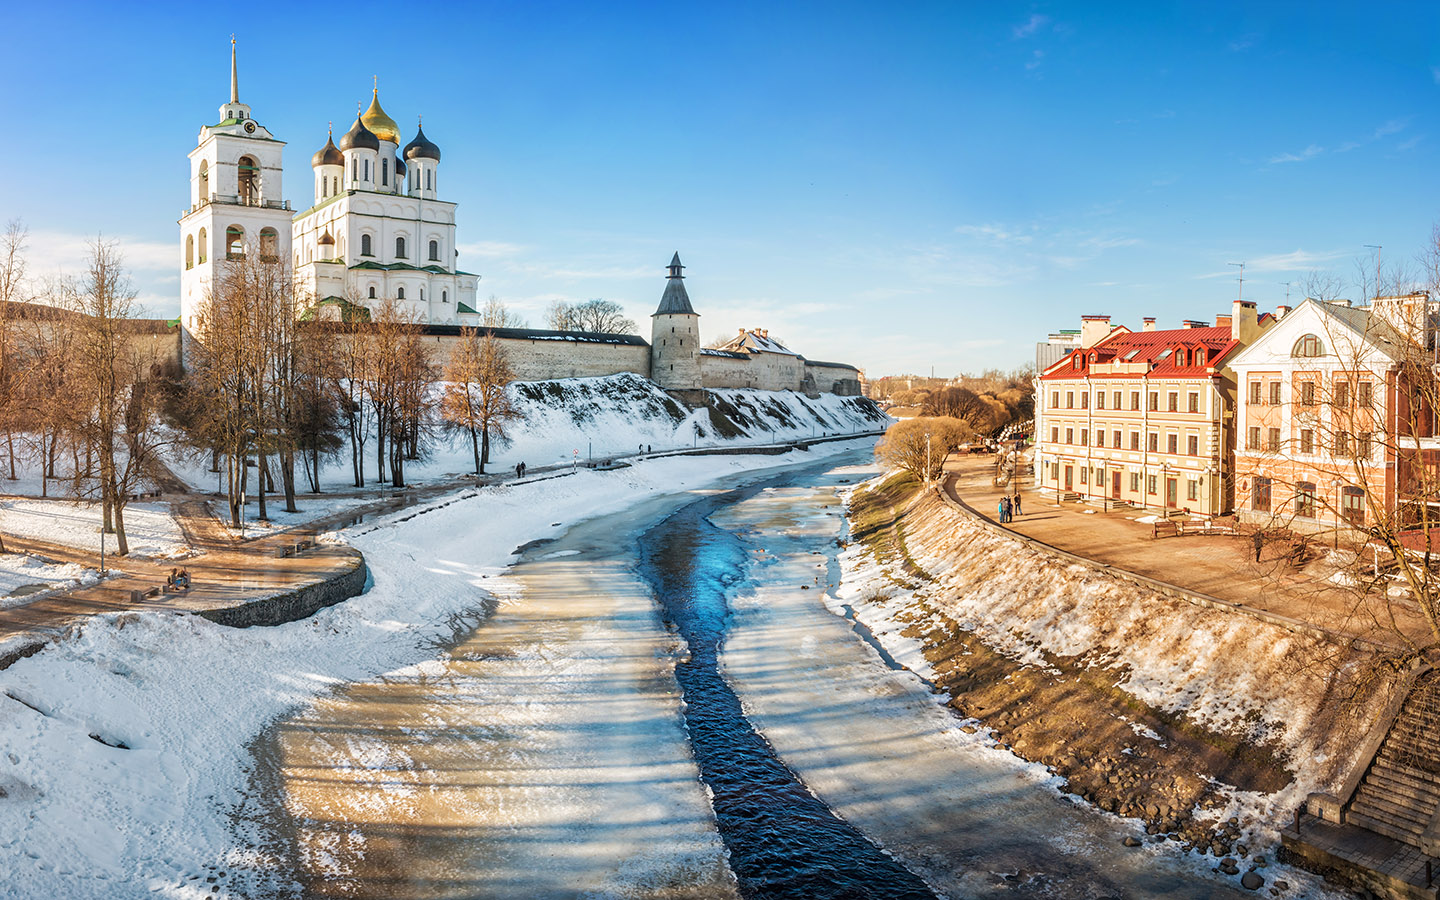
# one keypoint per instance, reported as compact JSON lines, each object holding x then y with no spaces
{"x":22,"y":577}
{"x":123,"y":748}
{"x":149,"y":527}
{"x":1227,"y":671}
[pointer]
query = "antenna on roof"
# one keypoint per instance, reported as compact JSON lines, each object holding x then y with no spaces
{"x":1240,"y":295}
{"x":1287,"y":292}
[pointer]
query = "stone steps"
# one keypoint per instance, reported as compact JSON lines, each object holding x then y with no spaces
{"x":1398,"y":815}
{"x":1380,"y":826}
{"x":1401,"y":792}
{"x":1384,"y":777}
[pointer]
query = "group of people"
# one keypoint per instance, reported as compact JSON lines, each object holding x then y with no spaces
{"x":1009,"y":508}
{"x":520,"y":470}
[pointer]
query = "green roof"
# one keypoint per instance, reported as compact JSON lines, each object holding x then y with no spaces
{"x":462,"y":308}
{"x":394,"y":267}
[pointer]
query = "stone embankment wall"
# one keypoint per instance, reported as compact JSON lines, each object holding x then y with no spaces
{"x":302,"y":602}
{"x":1274,"y":683}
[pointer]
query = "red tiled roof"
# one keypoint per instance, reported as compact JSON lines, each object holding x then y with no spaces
{"x":1150,"y":346}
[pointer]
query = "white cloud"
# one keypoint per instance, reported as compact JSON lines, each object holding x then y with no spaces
{"x":1409,"y":144}
{"x":490,"y":249}
{"x":1036,"y":58}
{"x":1243,"y":43}
{"x":1309,"y":152}
{"x":1435,"y":73}
{"x":1391,"y":127}
{"x":52,"y":252}
{"x":1031,"y":26}
{"x":999,"y":233}
{"x":1294,"y":261}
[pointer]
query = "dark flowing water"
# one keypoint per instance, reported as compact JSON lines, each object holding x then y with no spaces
{"x":783,"y":841}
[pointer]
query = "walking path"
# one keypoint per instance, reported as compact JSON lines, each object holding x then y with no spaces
{"x":227,"y":570}
{"x":1217,"y":566}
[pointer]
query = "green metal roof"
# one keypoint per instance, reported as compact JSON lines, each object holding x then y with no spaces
{"x":461,"y":307}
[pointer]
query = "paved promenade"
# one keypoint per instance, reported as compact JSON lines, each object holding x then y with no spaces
{"x":1223,"y":567}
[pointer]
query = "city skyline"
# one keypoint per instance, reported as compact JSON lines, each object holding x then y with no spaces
{"x":934,"y":186}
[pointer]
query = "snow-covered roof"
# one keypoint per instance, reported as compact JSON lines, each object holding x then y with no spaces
{"x":755,"y":340}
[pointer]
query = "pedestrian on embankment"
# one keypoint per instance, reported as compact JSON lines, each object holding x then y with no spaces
{"x":1258,"y":539}
{"x":1015,"y":506}
{"x":1004,"y":510}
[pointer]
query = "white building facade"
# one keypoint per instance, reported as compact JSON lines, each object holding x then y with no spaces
{"x":376,"y":229}
{"x":236,"y":200}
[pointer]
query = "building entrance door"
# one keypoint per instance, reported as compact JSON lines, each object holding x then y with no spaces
{"x":1172,"y":493}
{"x":1115,"y":485}
{"x":1069,"y":477}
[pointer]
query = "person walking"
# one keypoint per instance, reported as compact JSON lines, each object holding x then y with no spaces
{"x":1015,"y":506}
{"x":1004,"y":510}
{"x":1258,"y":539}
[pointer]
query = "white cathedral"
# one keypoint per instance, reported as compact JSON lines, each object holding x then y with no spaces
{"x":376,"y":228}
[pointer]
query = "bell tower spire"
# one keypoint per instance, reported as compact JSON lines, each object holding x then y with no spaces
{"x":234,"y":74}
{"x":234,"y":111}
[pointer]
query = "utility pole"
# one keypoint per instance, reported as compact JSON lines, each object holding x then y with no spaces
{"x":1240,"y":294}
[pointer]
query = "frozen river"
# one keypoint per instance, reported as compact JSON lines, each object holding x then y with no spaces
{"x":664,"y":706}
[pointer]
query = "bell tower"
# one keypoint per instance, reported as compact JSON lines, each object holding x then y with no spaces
{"x":675,"y":339}
{"x":236,"y":206}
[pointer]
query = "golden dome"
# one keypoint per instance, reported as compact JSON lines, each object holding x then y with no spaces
{"x":381,"y":125}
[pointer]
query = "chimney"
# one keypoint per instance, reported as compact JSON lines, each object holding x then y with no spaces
{"x":1244,"y":324}
{"x":1281,"y":310}
{"x":1195,"y":323}
{"x":1149,"y":323}
{"x":1093,"y":329}
{"x":1222,"y":321}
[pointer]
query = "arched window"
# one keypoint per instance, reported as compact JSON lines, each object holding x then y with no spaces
{"x":204,"y":182}
{"x":1308,"y":347}
{"x":367,"y":170}
{"x":354,"y":169}
{"x":269,"y":244}
{"x":249,"y":174}
{"x":435,"y":250}
{"x":384,"y":171}
{"x":189,"y":251}
{"x":204,"y":246}
{"x":372,"y":292}
{"x":399,"y":248}
{"x":427,"y":179}
{"x":234,"y":242}
{"x":400,"y":293}
{"x":365,"y":245}
{"x":444,"y":296}
{"x":422,"y":295}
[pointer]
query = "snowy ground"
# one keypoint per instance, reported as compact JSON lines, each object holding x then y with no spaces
{"x":22,"y":577}
{"x":149,"y":527}
{"x":80,"y":816}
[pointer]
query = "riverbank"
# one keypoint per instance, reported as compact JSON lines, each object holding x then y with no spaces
{"x":1204,"y":727}
{"x":126,"y":747}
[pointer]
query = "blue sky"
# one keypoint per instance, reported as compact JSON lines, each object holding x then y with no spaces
{"x":897,"y":186}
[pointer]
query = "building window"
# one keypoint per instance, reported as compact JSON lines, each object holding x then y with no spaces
{"x":1274,"y":393}
{"x":1254,"y":393}
{"x":1307,"y":393}
{"x":269,"y":245}
{"x":399,"y":248}
{"x":367,"y":170}
{"x":1260,"y":497}
{"x":1252,"y":440}
{"x":1085,"y":400}
{"x":1099,"y":399}
{"x":1174,"y":399}
{"x":204,"y":246}
{"x":1363,"y":397}
{"x":1055,"y":471}
{"x":1194,"y":403}
{"x":385,"y":172}
{"x":1150,"y":484}
{"x":427,"y":179}
{"x":1116,"y":443}
{"x":1154,"y":401}
{"x":1135,"y":400}
{"x":354,"y":169}
{"x":1054,"y":399}
{"x":1154,"y":443}
{"x":1069,"y":435}
{"x":1305,"y":499}
{"x":1134,"y":440}
{"x":1308,"y":347}
{"x":400,"y":293}
{"x":248,"y":174}
{"x":1342,"y":394}
{"x":1362,"y":446}
{"x":1352,"y":506}
{"x":372,"y":292}
{"x":1192,"y":489}
{"x":435,"y":250}
{"x":1134,"y":482}
{"x":189,"y":251}
{"x":1117,"y":399}
{"x":1084,"y":437}
{"x":204,"y":182}
{"x":1342,"y":444}
{"x":1307,"y":440}
{"x":1272,"y":440}
{"x":365,"y":245}
{"x":1192,"y":445}
{"x":1172,"y":444}
{"x":444,"y":296}
{"x":1055,"y":435}
{"x":234,"y":242}
{"x":1100,"y":437}
{"x":1084,"y":474}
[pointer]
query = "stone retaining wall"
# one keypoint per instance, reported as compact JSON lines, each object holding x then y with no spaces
{"x":300,"y":603}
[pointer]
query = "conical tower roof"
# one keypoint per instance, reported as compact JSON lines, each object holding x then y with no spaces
{"x":675,"y":300}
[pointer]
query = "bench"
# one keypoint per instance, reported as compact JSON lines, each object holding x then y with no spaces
{"x":1165,"y":528}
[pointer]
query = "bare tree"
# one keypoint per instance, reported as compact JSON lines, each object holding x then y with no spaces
{"x":474,"y":397}
{"x":12,"y":285}
{"x":497,"y":315}
{"x":597,"y":315}
{"x":920,"y":445}
{"x":398,"y":377}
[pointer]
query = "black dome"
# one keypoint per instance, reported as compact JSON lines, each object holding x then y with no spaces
{"x":359,"y":138}
{"x":399,"y":166}
{"x":422,"y":147}
{"x":328,"y":155}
